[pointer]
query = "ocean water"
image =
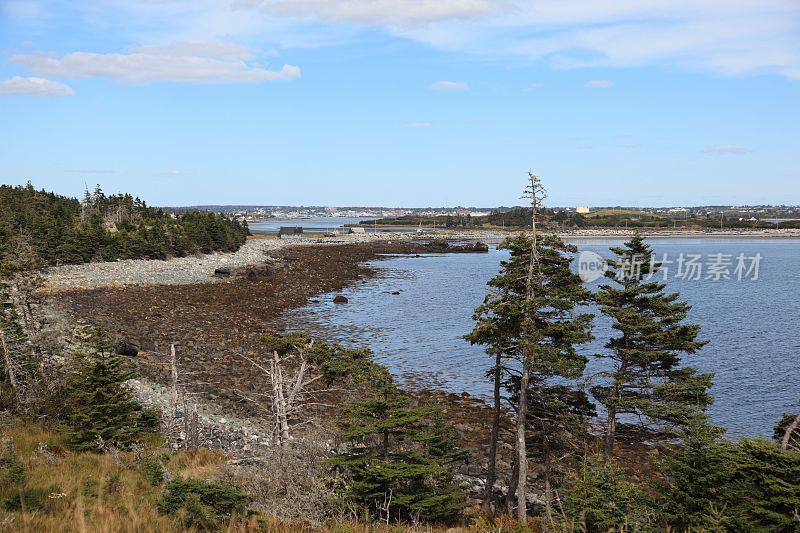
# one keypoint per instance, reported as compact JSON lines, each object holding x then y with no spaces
{"x":753,"y":324}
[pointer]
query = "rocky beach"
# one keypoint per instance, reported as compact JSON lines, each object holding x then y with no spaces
{"x":215,"y":308}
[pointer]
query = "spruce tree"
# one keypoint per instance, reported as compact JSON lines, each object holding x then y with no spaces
{"x":401,"y":461}
{"x":536,"y":332}
{"x":715,"y":484}
{"x":103,"y":411}
{"x":647,"y":392}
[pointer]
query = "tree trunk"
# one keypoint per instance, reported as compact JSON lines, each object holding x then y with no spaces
{"x":491,"y":471}
{"x":548,"y":488}
{"x":9,"y":364}
{"x":283,"y":419}
{"x":522,"y":450}
{"x":611,"y":431}
{"x":512,"y":489}
{"x":173,"y":365}
{"x":787,"y":437}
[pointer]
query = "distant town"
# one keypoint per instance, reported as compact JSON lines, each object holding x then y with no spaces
{"x":255,"y":213}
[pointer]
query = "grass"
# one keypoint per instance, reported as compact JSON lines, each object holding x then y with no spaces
{"x":66,"y":491}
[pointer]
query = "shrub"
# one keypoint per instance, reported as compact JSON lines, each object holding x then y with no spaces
{"x":30,"y":499}
{"x":600,"y":498}
{"x":12,"y":470}
{"x":219,"y":499}
{"x":153,"y":471}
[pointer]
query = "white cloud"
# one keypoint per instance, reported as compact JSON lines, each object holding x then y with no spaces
{"x":418,"y":125}
{"x":535,"y":85}
{"x":450,"y":86}
{"x":727,"y":149}
{"x":599,"y":84}
{"x":199,"y":62}
{"x":729,"y":37}
{"x":721,"y":36}
{"x":379,"y":12}
{"x":19,"y":86}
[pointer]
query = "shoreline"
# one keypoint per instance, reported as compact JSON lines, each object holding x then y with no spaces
{"x":212,"y":319}
{"x":256,"y":251}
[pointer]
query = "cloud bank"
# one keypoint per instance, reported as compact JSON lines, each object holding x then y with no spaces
{"x":198,"y":62}
{"x":19,"y":86}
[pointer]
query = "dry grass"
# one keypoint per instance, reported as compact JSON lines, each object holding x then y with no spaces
{"x":90,"y":492}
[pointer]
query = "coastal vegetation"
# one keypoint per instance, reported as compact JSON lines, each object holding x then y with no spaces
{"x":627,"y":449}
{"x":42,"y":228}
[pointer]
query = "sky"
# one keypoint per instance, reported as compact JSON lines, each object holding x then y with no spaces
{"x":404,"y":102}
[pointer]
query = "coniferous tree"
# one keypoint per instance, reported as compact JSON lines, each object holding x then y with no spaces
{"x":103,"y":411}
{"x":530,"y":324}
{"x":715,"y":484}
{"x":647,"y":393}
{"x":401,"y":461}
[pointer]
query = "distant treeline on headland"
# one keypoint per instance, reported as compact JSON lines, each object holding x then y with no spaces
{"x":520,"y":217}
{"x":44,"y":228}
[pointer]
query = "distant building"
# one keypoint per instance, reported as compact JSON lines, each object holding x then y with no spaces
{"x":357,"y":229}
{"x":582,"y":210}
{"x":287,"y":231}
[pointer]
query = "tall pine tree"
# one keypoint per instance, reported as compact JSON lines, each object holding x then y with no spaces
{"x":647,"y":392}
{"x":530,"y":324}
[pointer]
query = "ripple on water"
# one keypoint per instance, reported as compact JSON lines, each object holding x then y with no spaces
{"x":418,"y":333}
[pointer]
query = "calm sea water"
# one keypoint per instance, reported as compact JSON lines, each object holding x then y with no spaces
{"x":753,"y":325}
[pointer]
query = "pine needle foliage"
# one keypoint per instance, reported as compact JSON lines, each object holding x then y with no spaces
{"x":648,"y":394}
{"x":401,"y":461}
{"x":723,"y":485}
{"x":103,"y":411}
{"x":543,"y":331}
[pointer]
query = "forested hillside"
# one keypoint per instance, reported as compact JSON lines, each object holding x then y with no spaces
{"x":47,"y":229}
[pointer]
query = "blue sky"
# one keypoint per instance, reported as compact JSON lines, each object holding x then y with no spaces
{"x":404,"y":102}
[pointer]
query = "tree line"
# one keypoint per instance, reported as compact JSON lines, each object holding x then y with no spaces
{"x":48,"y":229}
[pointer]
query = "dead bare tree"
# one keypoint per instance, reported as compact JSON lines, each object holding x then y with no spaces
{"x":9,"y":366}
{"x":788,"y":436}
{"x":289,"y":377}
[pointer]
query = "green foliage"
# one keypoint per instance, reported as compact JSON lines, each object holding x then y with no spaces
{"x":542,"y":329}
{"x":30,"y":499}
{"x":64,"y":230}
{"x":401,"y":461}
{"x":12,"y":470}
{"x":647,"y":382}
{"x":103,"y":411}
{"x":520,"y":217}
{"x":600,"y":498}
{"x":153,"y":471}
{"x":339,"y":365}
{"x":747,"y":485}
{"x":202,"y":503}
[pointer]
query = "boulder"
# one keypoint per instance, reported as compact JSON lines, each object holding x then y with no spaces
{"x":222,"y":272}
{"x":339,"y":299}
{"x":127,"y":349}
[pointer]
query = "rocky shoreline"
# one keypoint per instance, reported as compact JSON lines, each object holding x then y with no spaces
{"x":153,"y":304}
{"x":193,"y":270}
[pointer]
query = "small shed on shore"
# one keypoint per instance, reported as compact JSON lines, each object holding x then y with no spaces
{"x":288,"y":231}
